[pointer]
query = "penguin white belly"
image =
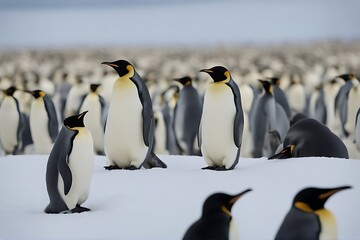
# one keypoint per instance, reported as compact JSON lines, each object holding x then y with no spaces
{"x":328,"y":225}
{"x":39,"y":127}
{"x":81,"y":161}
{"x":9,"y":122}
{"x":353,"y":105}
{"x":124,"y":144}
{"x":93,"y":120}
{"x":233,"y":231}
{"x":217,"y":126}
{"x":160,"y":134}
{"x":296,"y":96}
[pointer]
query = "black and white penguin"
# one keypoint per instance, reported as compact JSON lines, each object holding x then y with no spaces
{"x":308,"y":218}
{"x":280,"y":96}
{"x":43,"y":122}
{"x":11,"y":123}
{"x":222,"y":121}
{"x":357,"y":130}
{"x":317,"y":105}
{"x":216,"y":221}
{"x":94,"y":121}
{"x":70,"y":166}
{"x":130,"y":126}
{"x":266,"y":115}
{"x":309,"y":138}
{"x":187,"y":116}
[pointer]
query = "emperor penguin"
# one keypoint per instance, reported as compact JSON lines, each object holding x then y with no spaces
{"x":187,"y":116}
{"x":43,"y":122}
{"x":73,"y":99}
{"x":308,"y":218}
{"x":341,"y":101}
{"x":11,"y":123}
{"x":310,"y":138}
{"x":317,"y":105}
{"x":297,"y":95}
{"x":266,"y":115}
{"x":216,"y":221}
{"x":222,"y":121}
{"x":94,"y":121}
{"x":130,"y":126}
{"x":357,"y":130}
{"x":353,"y":104}
{"x":69,"y":168}
{"x":280,"y":96}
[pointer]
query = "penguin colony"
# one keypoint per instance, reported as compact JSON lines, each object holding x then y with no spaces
{"x":266,"y":104}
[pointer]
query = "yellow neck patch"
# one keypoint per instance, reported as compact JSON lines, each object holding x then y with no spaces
{"x":303,"y":206}
{"x":226,"y":211}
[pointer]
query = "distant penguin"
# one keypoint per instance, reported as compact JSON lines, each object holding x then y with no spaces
{"x":222,"y":121}
{"x":130,"y":126}
{"x":247,"y":98}
{"x":280,"y":96}
{"x":73,"y":99}
{"x":216,"y":221}
{"x":296,"y":96}
{"x":94,"y":121}
{"x":69,"y":168}
{"x":266,"y":115}
{"x":317,"y":108}
{"x":187,"y":116}
{"x":160,"y":133}
{"x":341,"y":101}
{"x":331,"y":89}
{"x":353,"y":104}
{"x":310,"y":138}
{"x":11,"y":123}
{"x":43,"y":122}
{"x":272,"y":142}
{"x":308,"y":218}
{"x":357,"y":130}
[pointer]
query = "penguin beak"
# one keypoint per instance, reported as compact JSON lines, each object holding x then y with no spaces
{"x":333,"y":191}
{"x":82,"y":115}
{"x":110,"y":64}
{"x":206,"y":70}
{"x":285,"y":153}
{"x":237,"y":196}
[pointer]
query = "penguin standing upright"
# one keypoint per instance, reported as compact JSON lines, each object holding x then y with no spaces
{"x":222,"y":121}
{"x":69,"y":167}
{"x":357,"y":130}
{"x":308,"y":218}
{"x":280,"y":96}
{"x":317,"y":105}
{"x":216,"y":221}
{"x":74,"y":97}
{"x":353,"y":104}
{"x":95,"y":104}
{"x":266,"y":115}
{"x":11,"y":123}
{"x":187,"y":116}
{"x":130,"y":126}
{"x":43,"y":122}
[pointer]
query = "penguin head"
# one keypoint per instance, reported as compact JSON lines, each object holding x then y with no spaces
{"x":75,"y":121}
{"x":10,"y":91}
{"x":184,"y":80}
{"x":218,"y":73}
{"x":287,"y":152}
{"x":274,"y":81}
{"x":37,"y":93}
{"x":221,"y":202}
{"x":347,"y":77}
{"x":122,"y":67}
{"x":267,"y":86}
{"x":313,"y":199}
{"x":94,"y":87}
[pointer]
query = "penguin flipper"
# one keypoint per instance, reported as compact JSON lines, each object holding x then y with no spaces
{"x":65,"y":173}
{"x":53,"y":124}
{"x":153,"y":161}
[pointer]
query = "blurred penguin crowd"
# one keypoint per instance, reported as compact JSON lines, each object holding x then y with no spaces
{"x":318,"y":80}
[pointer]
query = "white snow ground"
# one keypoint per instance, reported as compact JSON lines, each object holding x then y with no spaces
{"x":162,"y":203}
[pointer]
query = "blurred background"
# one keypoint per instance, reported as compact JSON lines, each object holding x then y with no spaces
{"x":101,"y":23}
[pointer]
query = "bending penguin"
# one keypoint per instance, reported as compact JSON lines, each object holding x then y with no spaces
{"x":216,"y":221}
{"x":94,"y":121}
{"x":308,"y":218}
{"x":130,"y":126}
{"x":309,"y":138}
{"x":11,"y":123}
{"x":43,"y":122}
{"x":222,"y":121}
{"x":69,"y":168}
{"x":187,"y":116}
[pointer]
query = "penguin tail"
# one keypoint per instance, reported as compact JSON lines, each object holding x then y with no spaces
{"x":154,"y":162}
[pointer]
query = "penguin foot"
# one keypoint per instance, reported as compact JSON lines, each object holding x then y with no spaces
{"x":154,"y":161}
{"x":111,"y":167}
{"x":80,"y":209}
{"x":215,"y":168}
{"x":131,"y":167}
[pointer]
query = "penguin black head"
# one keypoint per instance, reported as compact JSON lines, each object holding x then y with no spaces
{"x":75,"y":121}
{"x":218,"y":73}
{"x":37,"y":93}
{"x":274,"y":80}
{"x":94,"y":87}
{"x":267,"y":86}
{"x":347,"y":77}
{"x":122,"y":67}
{"x":287,"y":152}
{"x":10,"y":91}
{"x":184,"y":80}
{"x":221,"y":202}
{"x":312,"y":199}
